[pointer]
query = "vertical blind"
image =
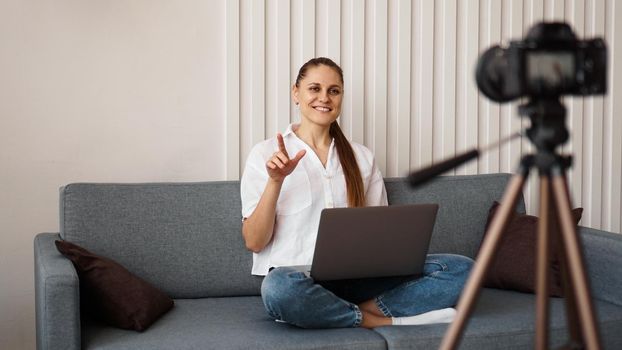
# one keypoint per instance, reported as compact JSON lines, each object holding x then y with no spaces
{"x":410,"y":94}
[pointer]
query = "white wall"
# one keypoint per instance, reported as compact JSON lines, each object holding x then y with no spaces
{"x":117,"y":90}
{"x":155,"y":90}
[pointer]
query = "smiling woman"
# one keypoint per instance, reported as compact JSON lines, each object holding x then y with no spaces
{"x":287,"y":182}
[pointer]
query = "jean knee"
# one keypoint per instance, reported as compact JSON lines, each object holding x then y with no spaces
{"x":272,"y":285}
{"x":461,"y":269}
{"x":458,"y":266}
{"x":277,"y":289}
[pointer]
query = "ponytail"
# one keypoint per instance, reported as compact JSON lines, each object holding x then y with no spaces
{"x":351,"y":171}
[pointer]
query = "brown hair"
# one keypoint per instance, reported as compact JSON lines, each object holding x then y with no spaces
{"x":351,"y":171}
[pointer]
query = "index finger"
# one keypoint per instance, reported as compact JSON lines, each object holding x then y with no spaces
{"x":281,"y":143}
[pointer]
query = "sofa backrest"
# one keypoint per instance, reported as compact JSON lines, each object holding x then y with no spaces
{"x":464,"y":202}
{"x":185,"y":238}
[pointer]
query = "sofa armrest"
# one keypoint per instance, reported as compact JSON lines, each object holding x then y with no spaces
{"x":57,"y":296}
{"x":603,"y":256}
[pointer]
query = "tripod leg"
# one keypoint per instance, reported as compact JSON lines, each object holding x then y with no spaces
{"x":570,"y":299}
{"x":483,"y":261}
{"x":575,"y":266}
{"x":542,"y":265}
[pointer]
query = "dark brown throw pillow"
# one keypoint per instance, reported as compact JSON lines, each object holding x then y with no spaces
{"x":113,"y":293}
{"x":514,"y":266}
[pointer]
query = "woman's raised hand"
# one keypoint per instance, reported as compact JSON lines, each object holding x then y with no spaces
{"x":280,"y":165}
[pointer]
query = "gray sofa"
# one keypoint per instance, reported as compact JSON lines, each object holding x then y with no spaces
{"x":185,"y":239}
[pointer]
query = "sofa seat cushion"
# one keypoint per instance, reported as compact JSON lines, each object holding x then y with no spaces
{"x":226,"y":323}
{"x":504,"y":320}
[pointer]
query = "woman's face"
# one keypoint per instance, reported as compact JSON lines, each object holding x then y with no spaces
{"x":319,"y":95}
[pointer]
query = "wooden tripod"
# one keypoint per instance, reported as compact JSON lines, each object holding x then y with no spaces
{"x":555,"y":222}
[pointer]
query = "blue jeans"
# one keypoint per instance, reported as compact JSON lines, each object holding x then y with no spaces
{"x":293,"y":297}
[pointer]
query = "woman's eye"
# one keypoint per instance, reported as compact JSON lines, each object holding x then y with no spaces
{"x":314,"y":89}
{"x":334,"y":91}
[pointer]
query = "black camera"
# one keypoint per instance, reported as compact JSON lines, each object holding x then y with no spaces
{"x":550,"y":62}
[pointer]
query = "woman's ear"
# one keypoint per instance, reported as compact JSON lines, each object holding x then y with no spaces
{"x":295,"y":94}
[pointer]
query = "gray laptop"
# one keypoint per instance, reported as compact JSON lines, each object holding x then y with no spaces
{"x":372,"y":241}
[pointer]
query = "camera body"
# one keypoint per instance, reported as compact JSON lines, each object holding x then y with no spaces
{"x":548,"y":63}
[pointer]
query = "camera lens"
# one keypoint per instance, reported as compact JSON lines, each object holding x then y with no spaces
{"x":492,"y":76}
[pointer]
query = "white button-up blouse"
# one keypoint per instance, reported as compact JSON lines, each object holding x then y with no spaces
{"x":310,"y":188}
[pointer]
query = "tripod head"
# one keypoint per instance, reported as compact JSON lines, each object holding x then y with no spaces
{"x":548,"y":123}
{"x":547,"y":132}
